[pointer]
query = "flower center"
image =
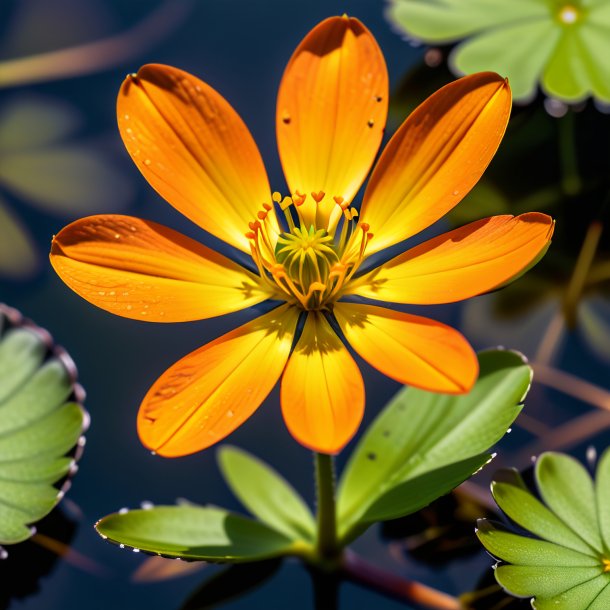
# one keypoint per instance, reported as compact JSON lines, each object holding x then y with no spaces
{"x":568,"y":14}
{"x":304,"y":264}
{"x":606,"y":564}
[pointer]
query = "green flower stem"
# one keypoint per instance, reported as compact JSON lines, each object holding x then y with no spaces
{"x":571,"y":182}
{"x":326,"y":543}
{"x":581,"y":272}
{"x":358,"y":570}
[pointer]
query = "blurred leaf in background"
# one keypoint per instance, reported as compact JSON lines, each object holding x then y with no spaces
{"x":563,"y":45}
{"x":49,"y":164}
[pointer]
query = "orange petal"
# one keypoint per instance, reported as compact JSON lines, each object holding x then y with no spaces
{"x":322,"y":389}
{"x":462,"y":263}
{"x":331,"y":112}
{"x":194,"y":150}
{"x":412,"y":350}
{"x":142,"y":270}
{"x":212,"y":391}
{"x":436,"y":157}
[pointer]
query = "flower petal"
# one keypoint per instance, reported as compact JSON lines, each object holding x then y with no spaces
{"x":436,"y":157}
{"x":322,"y":389}
{"x":194,"y":150}
{"x":331,"y":112}
{"x":212,"y":391}
{"x":460,"y":264}
{"x":412,"y":350}
{"x":142,"y":270}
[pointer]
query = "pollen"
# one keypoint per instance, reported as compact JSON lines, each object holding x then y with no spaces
{"x":606,"y":564}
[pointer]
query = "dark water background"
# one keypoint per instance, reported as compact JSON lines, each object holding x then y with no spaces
{"x":240,"y":47}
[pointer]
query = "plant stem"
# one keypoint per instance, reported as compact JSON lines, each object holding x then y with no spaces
{"x":578,"y":280}
{"x":571,"y":181}
{"x":359,"y":571}
{"x":325,"y":590}
{"x":327,"y":546}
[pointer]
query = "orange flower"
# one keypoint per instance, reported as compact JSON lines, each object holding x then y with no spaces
{"x":307,"y":249}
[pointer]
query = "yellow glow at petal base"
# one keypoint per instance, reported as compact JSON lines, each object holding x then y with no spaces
{"x":194,"y":150}
{"x":436,"y":157}
{"x":322,"y":389}
{"x":462,"y":263}
{"x":412,"y":350}
{"x":142,"y":270}
{"x":212,"y":391}
{"x":331,"y":112}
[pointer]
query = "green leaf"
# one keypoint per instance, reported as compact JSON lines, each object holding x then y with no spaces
{"x":196,"y":533}
{"x":567,"y":489}
{"x":530,"y":551}
{"x":522,"y":63}
{"x":39,"y":425}
{"x":29,"y":122}
{"x":17,"y":251}
{"x":568,"y":55}
{"x":602,"y":495}
{"x":528,"y":512}
{"x":414,"y":494}
{"x":420,"y":432}
{"x":69,"y":178}
{"x":266,"y":494}
{"x":449,"y":20}
{"x":580,"y":596}
{"x":543,"y":581}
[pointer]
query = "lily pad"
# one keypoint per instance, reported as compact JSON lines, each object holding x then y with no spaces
{"x":565,"y":561}
{"x":41,"y":425}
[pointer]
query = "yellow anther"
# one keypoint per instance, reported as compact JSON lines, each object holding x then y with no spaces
{"x":276,"y":197}
{"x":286,"y":203}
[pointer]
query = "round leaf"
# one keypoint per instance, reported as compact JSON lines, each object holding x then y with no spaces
{"x":40,"y":425}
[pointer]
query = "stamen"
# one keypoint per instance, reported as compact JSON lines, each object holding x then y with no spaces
{"x":286,"y":203}
{"x":306,"y":265}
